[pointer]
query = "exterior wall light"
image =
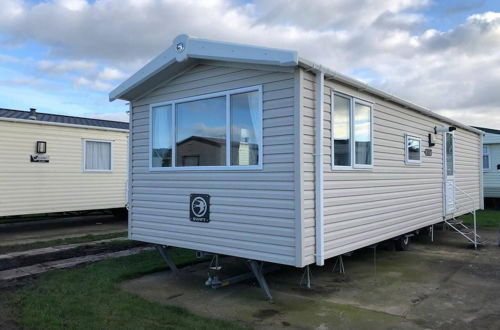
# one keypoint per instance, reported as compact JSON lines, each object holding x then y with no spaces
{"x":41,"y":147}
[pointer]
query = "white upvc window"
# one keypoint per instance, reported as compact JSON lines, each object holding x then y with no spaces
{"x":413,"y":149}
{"x":97,"y":155}
{"x":208,"y":132}
{"x":486,"y":157}
{"x":352,"y":132}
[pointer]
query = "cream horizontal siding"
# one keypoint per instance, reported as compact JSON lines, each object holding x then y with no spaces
{"x":252,"y":212}
{"x":491,"y":176}
{"x":467,"y":170}
{"x":363,"y":207}
{"x":60,"y":185}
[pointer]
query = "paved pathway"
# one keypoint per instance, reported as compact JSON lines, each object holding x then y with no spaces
{"x":21,"y":272}
{"x":63,"y":228}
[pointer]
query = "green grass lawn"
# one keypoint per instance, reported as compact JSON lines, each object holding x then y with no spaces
{"x":484,"y":218}
{"x":61,"y":241}
{"x":89,"y":298}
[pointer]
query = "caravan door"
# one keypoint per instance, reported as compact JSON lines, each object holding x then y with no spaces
{"x":449,"y":172}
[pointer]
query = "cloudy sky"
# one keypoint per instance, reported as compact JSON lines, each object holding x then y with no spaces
{"x":64,"y":56}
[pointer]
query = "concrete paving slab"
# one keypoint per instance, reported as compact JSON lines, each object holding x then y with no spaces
{"x":439,"y":285}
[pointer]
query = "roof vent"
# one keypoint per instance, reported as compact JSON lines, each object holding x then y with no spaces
{"x":32,"y":114}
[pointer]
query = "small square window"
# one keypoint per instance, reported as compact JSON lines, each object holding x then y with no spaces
{"x":97,"y":155}
{"x":413,"y":147}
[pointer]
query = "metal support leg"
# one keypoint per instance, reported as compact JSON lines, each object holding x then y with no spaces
{"x":257,"y":272}
{"x":162,"y":250}
{"x":374,"y":247}
{"x":306,"y":277}
{"x":340,"y":263}
{"x":432,"y":233}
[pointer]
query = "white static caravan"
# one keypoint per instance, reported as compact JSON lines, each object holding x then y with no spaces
{"x":53,"y":163}
{"x":269,"y":189}
{"x":491,"y":162}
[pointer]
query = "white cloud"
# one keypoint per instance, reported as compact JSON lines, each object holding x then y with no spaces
{"x":111,"y":74}
{"x":454,"y":72}
{"x":66,"y":66}
{"x":92,"y":84}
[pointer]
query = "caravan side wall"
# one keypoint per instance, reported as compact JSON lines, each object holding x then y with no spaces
{"x":253,"y":212}
{"x":366,"y":206}
{"x":492,"y":174}
{"x":60,"y":185}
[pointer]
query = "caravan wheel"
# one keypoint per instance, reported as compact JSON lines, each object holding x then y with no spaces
{"x":402,"y":243}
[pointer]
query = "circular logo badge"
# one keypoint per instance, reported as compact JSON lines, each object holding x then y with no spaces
{"x":179,"y":47}
{"x":199,"y":207}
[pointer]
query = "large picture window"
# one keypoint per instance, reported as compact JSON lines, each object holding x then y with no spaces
{"x":352,"y":139}
{"x":97,"y":156}
{"x":215,"y":131}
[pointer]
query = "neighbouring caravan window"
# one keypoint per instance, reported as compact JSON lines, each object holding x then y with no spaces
{"x":352,"y":121}
{"x":342,"y":131}
{"x":449,"y":154}
{"x":215,"y":131}
{"x":97,"y":155}
{"x":413,"y":149}
{"x":486,"y":158}
{"x":161,"y":121}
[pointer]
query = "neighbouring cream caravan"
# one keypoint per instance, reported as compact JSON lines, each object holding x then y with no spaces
{"x":231,"y":153}
{"x":54,"y":163}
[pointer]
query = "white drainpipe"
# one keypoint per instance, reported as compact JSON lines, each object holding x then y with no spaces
{"x":318,"y":178}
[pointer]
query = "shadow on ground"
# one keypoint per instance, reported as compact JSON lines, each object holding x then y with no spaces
{"x":440,"y":285}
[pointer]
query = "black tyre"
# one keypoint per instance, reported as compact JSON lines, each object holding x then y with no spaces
{"x":402,"y":243}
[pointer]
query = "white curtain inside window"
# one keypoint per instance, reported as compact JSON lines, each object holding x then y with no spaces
{"x":253,"y":104}
{"x":97,"y":155}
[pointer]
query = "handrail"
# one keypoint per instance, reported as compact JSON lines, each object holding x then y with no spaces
{"x":473,"y":212}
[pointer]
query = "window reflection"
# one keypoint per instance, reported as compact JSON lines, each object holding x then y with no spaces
{"x":341,"y":131}
{"x":449,"y":154}
{"x":362,"y":133}
{"x":162,"y":136}
{"x":201,"y":132}
{"x":245,"y":128}
{"x":413,"y":149}
{"x":486,"y":157}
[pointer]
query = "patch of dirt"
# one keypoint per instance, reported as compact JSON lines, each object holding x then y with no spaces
{"x":265,"y":313}
{"x":80,"y":251}
{"x":7,"y":315}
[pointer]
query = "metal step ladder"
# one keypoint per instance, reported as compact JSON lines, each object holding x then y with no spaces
{"x":458,"y":225}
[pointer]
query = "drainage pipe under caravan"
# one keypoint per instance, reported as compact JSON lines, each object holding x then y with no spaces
{"x":318,"y":177}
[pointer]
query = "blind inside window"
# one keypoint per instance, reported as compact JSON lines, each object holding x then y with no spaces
{"x":97,"y":156}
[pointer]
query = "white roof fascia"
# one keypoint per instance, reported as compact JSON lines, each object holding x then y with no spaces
{"x":384,"y":95}
{"x":185,"y":47}
{"x":50,"y":123}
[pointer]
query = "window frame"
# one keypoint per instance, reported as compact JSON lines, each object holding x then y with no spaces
{"x":353,"y":101}
{"x":84,"y":158}
{"x":228,"y":166}
{"x":409,"y":161}
{"x":488,"y":168}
